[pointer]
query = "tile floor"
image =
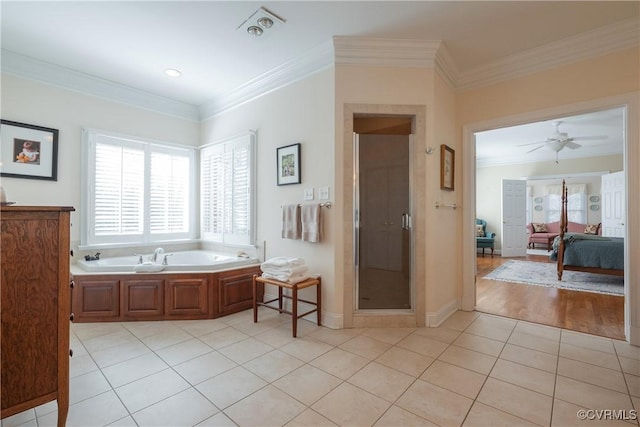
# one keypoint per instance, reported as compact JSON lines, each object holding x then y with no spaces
{"x":474,"y":370}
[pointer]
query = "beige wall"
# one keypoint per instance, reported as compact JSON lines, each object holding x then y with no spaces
{"x":30,"y":102}
{"x":489,"y":184}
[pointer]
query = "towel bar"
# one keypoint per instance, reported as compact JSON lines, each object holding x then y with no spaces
{"x":322,"y":205}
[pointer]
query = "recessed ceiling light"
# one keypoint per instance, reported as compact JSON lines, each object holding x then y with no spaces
{"x":265,"y":22}
{"x":254,"y":31}
{"x":171,"y":72}
{"x":261,"y":23}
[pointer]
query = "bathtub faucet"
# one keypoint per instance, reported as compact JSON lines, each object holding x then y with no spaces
{"x":156,"y":254}
{"x":164,"y":261}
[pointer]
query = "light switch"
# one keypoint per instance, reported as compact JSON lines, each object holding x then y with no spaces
{"x":308,"y":193}
{"x":323,"y":193}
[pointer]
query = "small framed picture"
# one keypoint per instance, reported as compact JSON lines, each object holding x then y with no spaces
{"x":289,"y":165}
{"x":447,"y":167}
{"x":32,"y":151}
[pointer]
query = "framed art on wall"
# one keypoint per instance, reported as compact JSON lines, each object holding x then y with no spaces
{"x":447,"y":167}
{"x":289,"y":164}
{"x":28,"y":151}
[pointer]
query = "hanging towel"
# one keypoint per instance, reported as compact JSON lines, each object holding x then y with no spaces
{"x":290,"y":222}
{"x":310,"y":223}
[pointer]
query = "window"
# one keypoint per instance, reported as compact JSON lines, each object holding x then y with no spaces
{"x":227,"y":183}
{"x":136,"y":191}
{"x":576,"y":203}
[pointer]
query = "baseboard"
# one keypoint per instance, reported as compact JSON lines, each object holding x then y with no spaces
{"x":435,"y":319}
{"x":634,"y":335}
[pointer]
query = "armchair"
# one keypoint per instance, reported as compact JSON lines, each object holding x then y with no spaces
{"x":484,"y":239}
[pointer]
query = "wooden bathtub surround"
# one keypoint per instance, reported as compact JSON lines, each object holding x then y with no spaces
{"x":35,"y":308}
{"x":122,"y":297}
{"x":258,"y":281}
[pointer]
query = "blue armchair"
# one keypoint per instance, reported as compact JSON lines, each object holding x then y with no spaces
{"x":484,"y":239}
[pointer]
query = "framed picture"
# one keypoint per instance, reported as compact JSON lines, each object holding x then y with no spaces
{"x":289,"y":165}
{"x":28,"y":151}
{"x":447,"y":167}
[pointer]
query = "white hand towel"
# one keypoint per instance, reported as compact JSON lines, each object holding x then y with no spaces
{"x":290,"y":222}
{"x":281,"y":261}
{"x":286,"y":271}
{"x":310,"y":223}
{"x":287,"y":279}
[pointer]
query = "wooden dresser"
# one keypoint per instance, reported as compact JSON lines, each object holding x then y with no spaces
{"x":35,"y":292}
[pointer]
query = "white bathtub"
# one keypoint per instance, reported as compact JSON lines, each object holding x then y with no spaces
{"x":176,"y":261}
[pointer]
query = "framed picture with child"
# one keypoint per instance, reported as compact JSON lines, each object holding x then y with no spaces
{"x":28,"y":151}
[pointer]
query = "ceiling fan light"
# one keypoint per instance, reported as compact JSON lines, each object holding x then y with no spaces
{"x":254,"y":31}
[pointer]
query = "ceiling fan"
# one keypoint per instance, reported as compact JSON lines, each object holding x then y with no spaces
{"x":561,"y":140}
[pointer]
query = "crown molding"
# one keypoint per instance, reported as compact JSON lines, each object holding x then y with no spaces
{"x":23,"y":66}
{"x":314,"y":61}
{"x":601,"y":41}
{"x":385,"y":52}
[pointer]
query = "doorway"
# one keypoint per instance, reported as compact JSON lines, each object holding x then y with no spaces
{"x":383,"y":221}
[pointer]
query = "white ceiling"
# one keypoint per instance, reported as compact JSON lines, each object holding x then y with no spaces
{"x":130,"y":43}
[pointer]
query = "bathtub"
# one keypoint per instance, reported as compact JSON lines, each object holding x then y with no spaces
{"x":197,"y":260}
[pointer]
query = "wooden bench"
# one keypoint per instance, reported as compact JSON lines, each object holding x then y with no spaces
{"x":294,"y":287}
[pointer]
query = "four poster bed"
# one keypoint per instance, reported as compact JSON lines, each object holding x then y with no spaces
{"x":586,"y":252}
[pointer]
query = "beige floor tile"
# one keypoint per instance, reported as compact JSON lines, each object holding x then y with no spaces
{"x":334,"y":337}
{"x":524,"y":376}
{"x":263,"y":325}
{"x":534,"y":342}
{"x":183,"y":351}
{"x":444,"y":334}
{"x":198,"y":328}
{"x":627,"y":350}
{"x":588,"y":341}
{"x":223,"y":337}
{"x":306,"y":349}
{"x":633,"y":382}
{"x":186,"y":408}
{"x":133,"y":369}
{"x":434,"y":403}
{"x":423,"y":345}
{"x":566,"y":414}
{"x":204,"y":367}
{"x":541,"y":331}
{"x":99,"y":410}
{"x":20,"y":419}
{"x":218,"y":420}
{"x":479,"y":344}
{"x":592,"y":357}
{"x":482,"y":415}
{"x":88,"y":385}
{"x":630,"y":365}
{"x":79,"y":365}
{"x":460,"y":320}
{"x":124,"y":422}
{"x":86,"y":331}
{"x":340,"y":363}
{"x":590,"y":396}
{"x":496,"y":328}
{"x":382,"y":381}
{"x":267,"y":407}
{"x":310,"y":418}
{"x":111,"y":340}
{"x":454,"y":378}
{"x":348,"y":405}
{"x":166,"y":338}
{"x":245,"y":350}
{"x":152,"y":389}
{"x":307,"y":384}
{"x":147,"y":329}
{"x":273,"y":365}
{"x":603,"y":377}
{"x":406,"y":361}
{"x":389,"y":335}
{"x":528,"y":357}
{"x":231,"y":386}
{"x":396,"y":416}
{"x":365,"y":346}
{"x":113,"y":355}
{"x":468,"y":359}
{"x":275,"y":337}
{"x":520,"y":402}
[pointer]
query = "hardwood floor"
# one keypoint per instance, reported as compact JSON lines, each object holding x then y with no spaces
{"x":588,"y":312}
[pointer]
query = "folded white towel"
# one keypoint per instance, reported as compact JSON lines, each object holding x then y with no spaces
{"x":310,"y":223}
{"x":281,"y":261}
{"x":285,"y":278}
{"x":290,"y":222}
{"x":283,"y":271}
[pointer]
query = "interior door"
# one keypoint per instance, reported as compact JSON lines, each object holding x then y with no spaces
{"x":613,"y":205}
{"x":514,"y":217}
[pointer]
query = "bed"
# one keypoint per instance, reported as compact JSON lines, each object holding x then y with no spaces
{"x":586,"y":252}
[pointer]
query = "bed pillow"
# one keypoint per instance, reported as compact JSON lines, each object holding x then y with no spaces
{"x":592,"y":228}
{"x":479,"y":230}
{"x":539,"y":227}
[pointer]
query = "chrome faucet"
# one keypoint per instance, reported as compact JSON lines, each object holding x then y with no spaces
{"x":164,"y":261}
{"x":156,"y":254}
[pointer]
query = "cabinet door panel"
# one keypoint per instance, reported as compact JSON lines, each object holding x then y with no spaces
{"x":142,"y":298}
{"x":187,"y":298}
{"x":94,"y":299}
{"x":235,"y":291}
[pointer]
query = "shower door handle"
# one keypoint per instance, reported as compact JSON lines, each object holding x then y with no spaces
{"x":406,"y":221}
